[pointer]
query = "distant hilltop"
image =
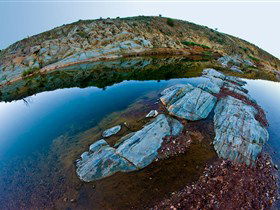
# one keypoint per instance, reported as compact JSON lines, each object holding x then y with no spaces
{"x":107,"y":39}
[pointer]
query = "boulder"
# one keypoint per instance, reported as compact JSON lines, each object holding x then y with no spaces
{"x":188,"y":102}
{"x":239,"y":136}
{"x":111,"y":131}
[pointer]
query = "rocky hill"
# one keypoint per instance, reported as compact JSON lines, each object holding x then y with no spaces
{"x":107,"y":39}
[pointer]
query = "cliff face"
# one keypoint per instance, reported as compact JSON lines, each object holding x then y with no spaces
{"x":94,"y":40}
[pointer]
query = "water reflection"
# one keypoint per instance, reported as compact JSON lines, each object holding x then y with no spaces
{"x":267,"y":94}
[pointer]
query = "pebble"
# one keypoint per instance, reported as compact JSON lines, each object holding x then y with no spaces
{"x":276,"y":167}
{"x":73,"y":200}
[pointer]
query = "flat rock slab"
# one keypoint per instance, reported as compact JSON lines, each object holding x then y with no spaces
{"x":239,"y":136}
{"x":136,"y":150}
{"x":188,"y":102}
{"x":141,"y":148}
{"x":100,"y":162}
{"x":112,"y":131}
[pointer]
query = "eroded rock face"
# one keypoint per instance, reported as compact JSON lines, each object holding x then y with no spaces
{"x":188,"y":102}
{"x":239,"y":136}
{"x":136,"y":150}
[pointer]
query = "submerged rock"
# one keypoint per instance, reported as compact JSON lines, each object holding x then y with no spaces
{"x":112,"y":131}
{"x":188,"y":102}
{"x":136,"y":150}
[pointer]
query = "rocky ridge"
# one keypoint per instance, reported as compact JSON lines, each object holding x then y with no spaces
{"x":97,"y":40}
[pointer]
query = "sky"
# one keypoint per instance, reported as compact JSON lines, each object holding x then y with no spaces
{"x":256,"y":22}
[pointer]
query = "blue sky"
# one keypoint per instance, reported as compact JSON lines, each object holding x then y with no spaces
{"x":253,"y":21}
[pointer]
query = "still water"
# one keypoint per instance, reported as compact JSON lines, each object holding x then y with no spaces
{"x":30,"y":127}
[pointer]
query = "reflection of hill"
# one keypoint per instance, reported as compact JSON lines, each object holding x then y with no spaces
{"x":103,"y":74}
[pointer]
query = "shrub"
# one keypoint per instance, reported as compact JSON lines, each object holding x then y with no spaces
{"x":170,"y":22}
{"x":82,"y":34}
{"x":29,"y":71}
{"x":253,"y":58}
{"x":195,"y":44}
{"x":245,"y":49}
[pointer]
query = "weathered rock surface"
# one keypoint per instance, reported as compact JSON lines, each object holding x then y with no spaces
{"x":239,"y":136}
{"x":112,"y":131}
{"x":152,"y":113}
{"x":235,"y":62}
{"x":141,"y":148}
{"x":188,"y":102}
{"x":101,"y":161}
{"x":106,"y":39}
{"x":236,"y":69}
{"x":136,"y":150}
{"x":239,"y":127}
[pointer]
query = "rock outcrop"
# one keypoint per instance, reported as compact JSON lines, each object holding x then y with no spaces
{"x":236,"y":63}
{"x":188,"y":102}
{"x":135,"y":151}
{"x":239,"y":122}
{"x":239,"y":136}
{"x":103,"y":39}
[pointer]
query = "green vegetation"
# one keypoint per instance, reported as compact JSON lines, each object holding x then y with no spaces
{"x":253,"y":58}
{"x":29,"y":71}
{"x":245,"y":49}
{"x":194,"y":44}
{"x":82,"y":34}
{"x":170,"y":22}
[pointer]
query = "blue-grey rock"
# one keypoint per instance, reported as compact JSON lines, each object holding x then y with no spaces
{"x":152,"y":113}
{"x":236,"y":69}
{"x":141,"y":148}
{"x":112,"y":131}
{"x":212,"y":85}
{"x":134,"y":151}
{"x":235,"y":60}
{"x":239,"y":136}
{"x":101,"y":161}
{"x":213,"y":73}
{"x":188,"y":102}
